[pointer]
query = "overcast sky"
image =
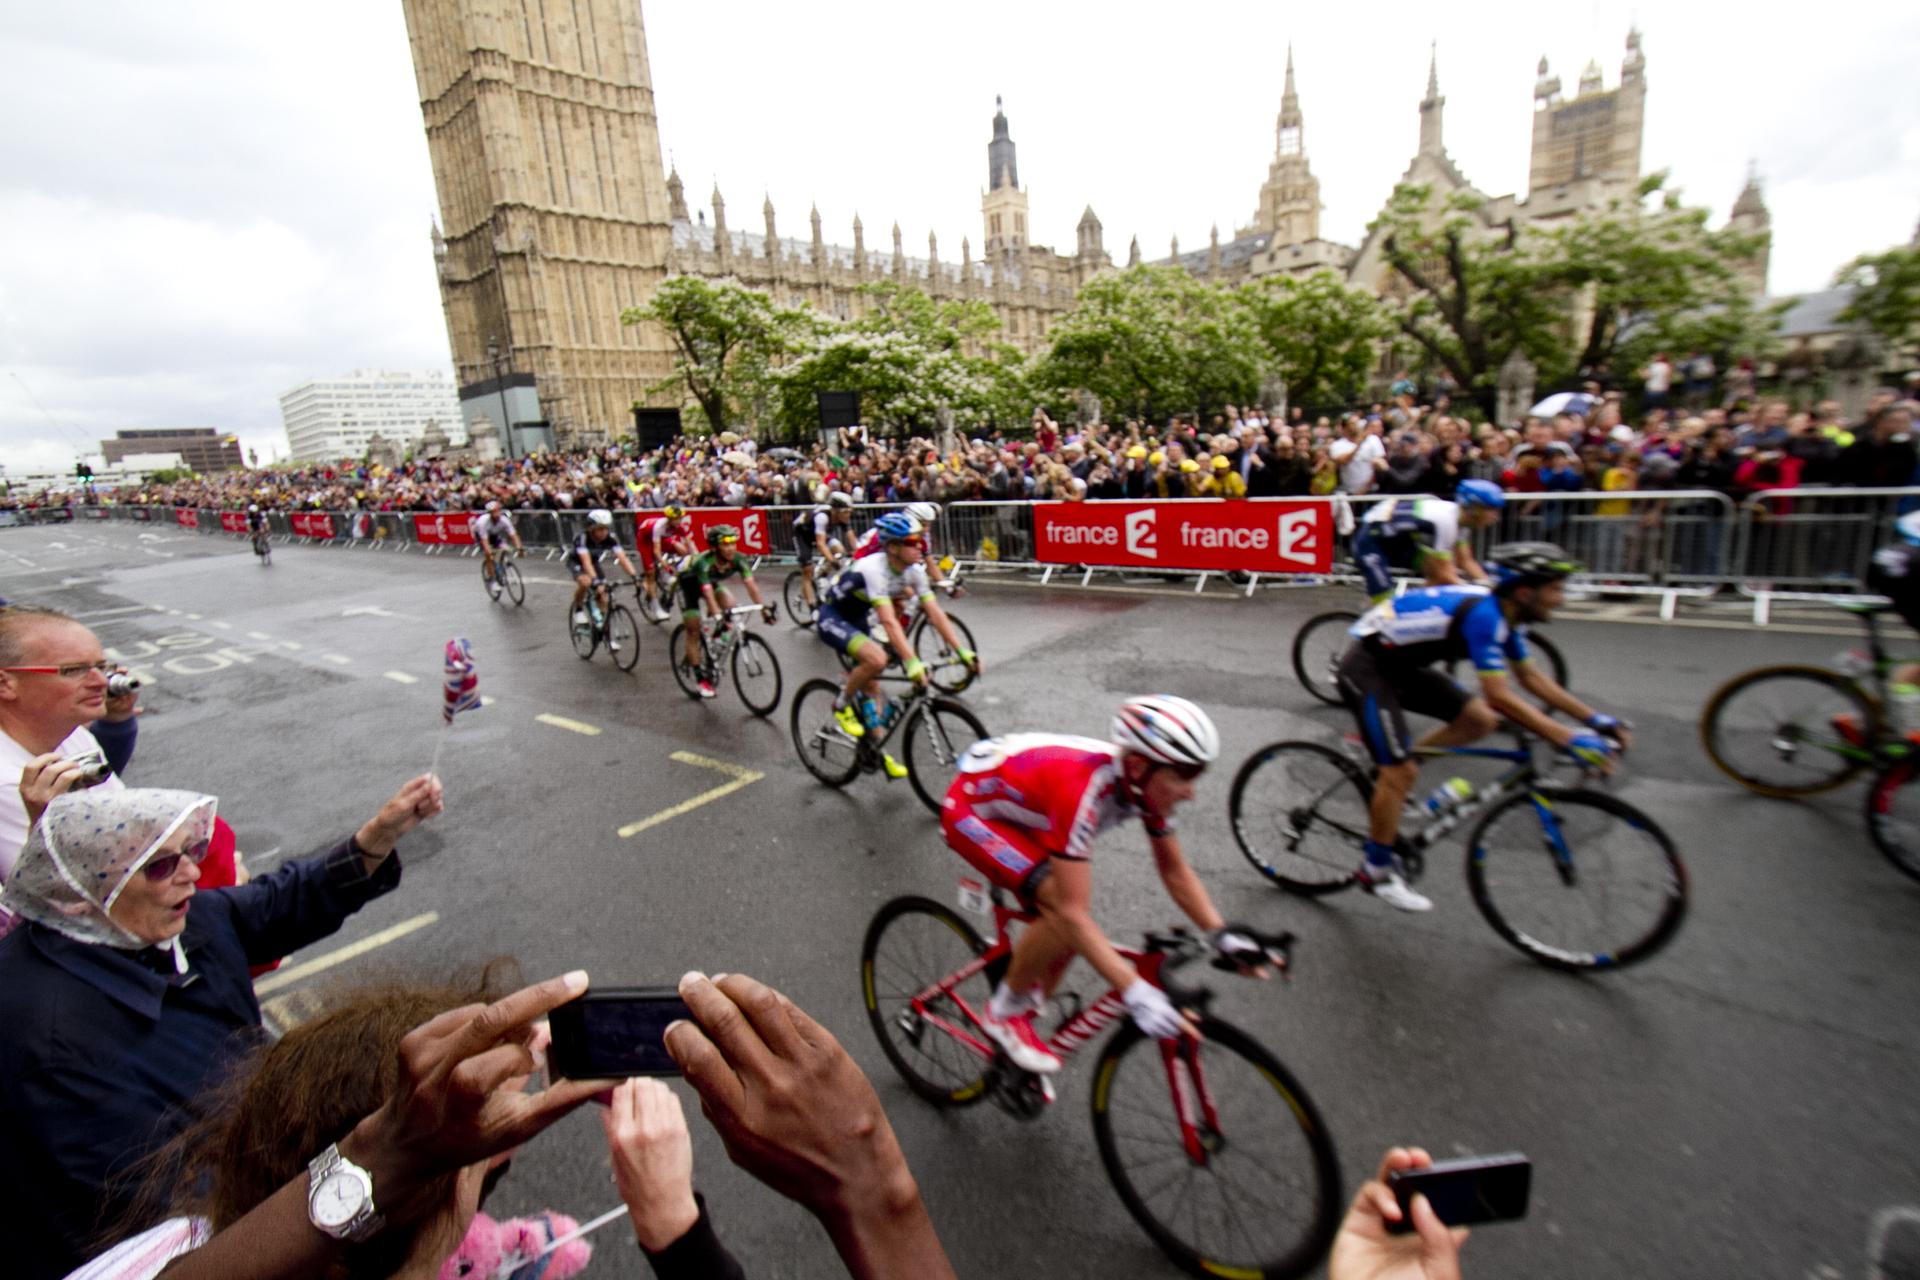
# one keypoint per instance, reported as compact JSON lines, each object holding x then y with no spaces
{"x":205,"y":203}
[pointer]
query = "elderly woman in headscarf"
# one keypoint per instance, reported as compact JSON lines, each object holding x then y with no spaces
{"x":126,"y":998}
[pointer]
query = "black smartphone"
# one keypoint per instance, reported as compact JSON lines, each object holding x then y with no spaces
{"x":615,"y":1032}
{"x":1466,"y":1191}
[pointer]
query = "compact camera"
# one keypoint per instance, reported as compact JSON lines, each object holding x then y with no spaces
{"x":93,"y":769}
{"x":120,"y":684}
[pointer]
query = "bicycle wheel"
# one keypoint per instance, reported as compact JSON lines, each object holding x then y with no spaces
{"x":797,"y":607}
{"x":1259,"y":1195}
{"x":516,"y":587}
{"x":943,"y":664}
{"x":492,"y":580}
{"x":1576,"y":879}
{"x":1299,"y":813}
{"x":937,"y":733}
{"x":911,"y":945}
{"x":623,"y":637}
{"x":828,"y":754}
{"x":756,"y":674}
{"x":1893,"y":815}
{"x":1779,"y":730}
{"x":1556,"y":662}
{"x":1317,"y":646}
{"x":586,"y":636}
{"x":685,"y":674}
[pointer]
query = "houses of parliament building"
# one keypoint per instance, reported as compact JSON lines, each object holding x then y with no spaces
{"x":557,"y":213}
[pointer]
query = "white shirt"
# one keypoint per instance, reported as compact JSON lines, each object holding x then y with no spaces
{"x":13,"y":810}
{"x":1357,"y":472}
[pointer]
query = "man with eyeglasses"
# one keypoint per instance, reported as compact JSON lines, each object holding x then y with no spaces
{"x":53,"y":685}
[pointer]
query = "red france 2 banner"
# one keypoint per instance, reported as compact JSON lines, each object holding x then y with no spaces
{"x":752,"y":524}
{"x":233,"y":521}
{"x":311,"y":524}
{"x":447,"y":529}
{"x":186,"y":517}
{"x":1252,"y":537}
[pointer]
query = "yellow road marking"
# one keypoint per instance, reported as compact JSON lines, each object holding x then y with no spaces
{"x":741,"y":775}
{"x":401,"y":677}
{"x":561,"y":722}
{"x":319,"y":964}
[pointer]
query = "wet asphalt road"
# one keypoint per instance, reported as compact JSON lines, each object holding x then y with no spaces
{"x":1742,"y":1105}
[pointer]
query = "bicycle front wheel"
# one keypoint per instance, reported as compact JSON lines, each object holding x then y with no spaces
{"x":937,"y":734}
{"x":948,"y":673}
{"x":1576,"y":879}
{"x":1893,"y":815}
{"x":1317,"y":648}
{"x":912,"y":945}
{"x":687,"y":674}
{"x":491,"y":579}
{"x":1556,"y":661}
{"x":586,"y":637}
{"x":516,"y":586}
{"x":797,"y":607}
{"x":756,"y":674}
{"x":1236,"y":1176}
{"x":1789,"y":730}
{"x":1299,"y":814}
{"x":623,"y":637}
{"x":828,"y":754}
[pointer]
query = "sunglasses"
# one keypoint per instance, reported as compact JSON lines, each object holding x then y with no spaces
{"x":159,"y":870}
{"x":71,"y":671}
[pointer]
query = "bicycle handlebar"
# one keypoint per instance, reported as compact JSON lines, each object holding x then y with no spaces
{"x":1182,"y":946}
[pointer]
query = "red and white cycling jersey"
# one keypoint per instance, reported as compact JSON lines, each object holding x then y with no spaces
{"x":1061,"y":791}
{"x":654,"y":530}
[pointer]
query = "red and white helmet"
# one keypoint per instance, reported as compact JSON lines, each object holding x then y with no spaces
{"x":1167,"y":730}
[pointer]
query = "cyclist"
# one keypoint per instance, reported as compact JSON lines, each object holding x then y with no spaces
{"x":590,"y":548}
{"x":1024,"y":812}
{"x":922,"y":514}
{"x":663,"y":539}
{"x":700,"y":583}
{"x":493,"y":530}
{"x":1387,"y":670}
{"x":1894,"y":572}
{"x":872,"y":587}
{"x":817,"y":533}
{"x":1428,"y":534}
{"x":257,"y":528}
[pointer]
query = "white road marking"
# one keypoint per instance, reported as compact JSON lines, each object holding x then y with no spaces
{"x":561,"y":722}
{"x":340,"y":658}
{"x":401,"y":677}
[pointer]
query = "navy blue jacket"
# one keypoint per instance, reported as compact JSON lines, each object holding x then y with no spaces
{"x":105,"y":1054}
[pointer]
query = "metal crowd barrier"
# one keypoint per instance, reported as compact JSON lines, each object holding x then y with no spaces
{"x":1798,"y":544}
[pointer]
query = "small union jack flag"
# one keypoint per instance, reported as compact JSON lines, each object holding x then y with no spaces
{"x":462,"y":687}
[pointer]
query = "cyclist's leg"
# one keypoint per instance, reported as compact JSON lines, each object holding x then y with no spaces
{"x":1376,"y":573}
{"x":1374,"y":699}
{"x":649,"y":565}
{"x":690,"y":611}
{"x":1468,"y":718}
{"x":581,"y":581}
{"x":803,"y":548}
{"x":1010,"y":859}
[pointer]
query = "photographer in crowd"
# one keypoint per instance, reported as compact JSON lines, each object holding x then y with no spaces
{"x":126,"y":995}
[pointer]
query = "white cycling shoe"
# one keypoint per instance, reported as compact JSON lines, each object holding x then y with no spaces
{"x":1025,"y":1049}
{"x":1391,"y":888}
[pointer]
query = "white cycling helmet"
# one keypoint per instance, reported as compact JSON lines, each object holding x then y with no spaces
{"x":839,"y":500}
{"x":600,"y":516}
{"x":493,"y":506}
{"x":1908,"y":527}
{"x":1167,"y":730}
{"x":253,"y":506}
{"x":925,"y":512}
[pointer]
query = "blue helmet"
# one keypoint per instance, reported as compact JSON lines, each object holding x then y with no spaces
{"x":895,"y":526}
{"x":1908,"y":526}
{"x":1479,"y":493}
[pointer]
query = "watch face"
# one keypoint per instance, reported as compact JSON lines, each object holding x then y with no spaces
{"x":338,"y":1200}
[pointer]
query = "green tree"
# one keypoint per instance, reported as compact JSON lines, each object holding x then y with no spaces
{"x":1152,"y":341}
{"x":1886,"y":295}
{"x":726,"y":338}
{"x":1320,"y":335}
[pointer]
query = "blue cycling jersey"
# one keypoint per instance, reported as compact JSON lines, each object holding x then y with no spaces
{"x":1436,"y":624}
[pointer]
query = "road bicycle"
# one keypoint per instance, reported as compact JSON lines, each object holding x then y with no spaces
{"x":263,"y":547}
{"x":935,"y":732}
{"x":822,"y":570}
{"x":726,"y":644}
{"x":666,"y":586}
{"x":1212,"y":1144}
{"x":1797,"y":730}
{"x":1322,"y":640}
{"x":608,"y":622}
{"x":503,"y":578}
{"x":950,"y":674}
{"x":1572,"y":876}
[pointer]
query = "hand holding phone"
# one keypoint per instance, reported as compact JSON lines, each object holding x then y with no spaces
{"x":614,"y":1033}
{"x":1464,"y":1192}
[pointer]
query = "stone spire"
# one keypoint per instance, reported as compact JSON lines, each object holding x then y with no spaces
{"x":899,"y":256}
{"x":1750,"y":218}
{"x":773,"y":237}
{"x":933,"y":256}
{"x":1213,"y":252}
{"x":1133,"y":253}
{"x":1289,"y":98}
{"x":1090,"y":234}
{"x":1592,"y":80}
{"x":1633,"y":66}
{"x":1432,"y":142}
{"x":677,"y":198}
{"x":1175,"y":251}
{"x":1002,"y":171}
{"x":722,"y":242}
{"x":859,"y":245}
{"x":819,"y":243}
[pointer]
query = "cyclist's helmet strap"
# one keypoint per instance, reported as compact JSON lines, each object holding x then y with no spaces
{"x":1527,"y":564}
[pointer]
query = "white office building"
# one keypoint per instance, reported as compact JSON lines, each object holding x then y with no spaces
{"x":332,"y":418}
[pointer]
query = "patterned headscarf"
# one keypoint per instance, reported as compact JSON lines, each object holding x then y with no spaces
{"x":88,"y":845}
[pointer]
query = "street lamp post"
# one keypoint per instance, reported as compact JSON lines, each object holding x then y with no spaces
{"x":499,"y":384}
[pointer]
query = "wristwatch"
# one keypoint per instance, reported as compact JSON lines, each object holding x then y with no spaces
{"x":340,"y":1197}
